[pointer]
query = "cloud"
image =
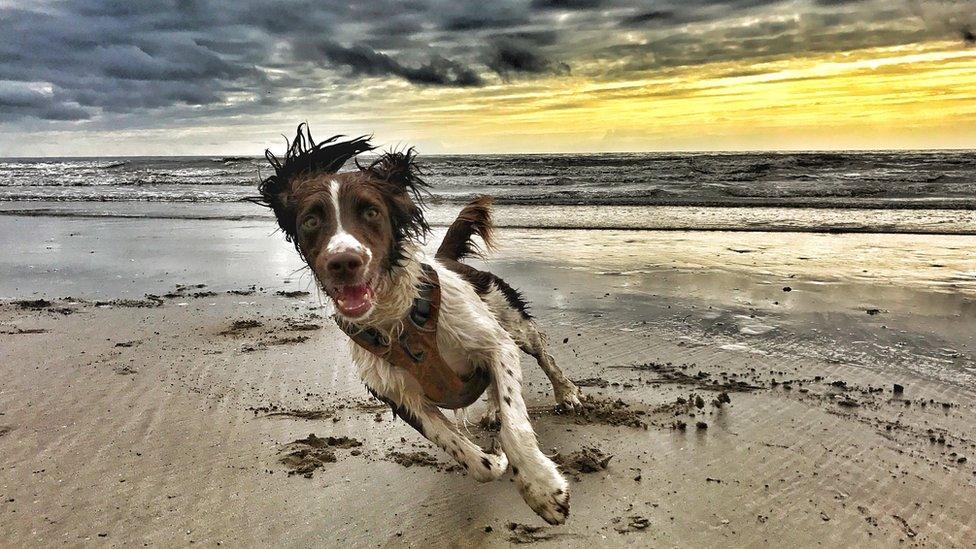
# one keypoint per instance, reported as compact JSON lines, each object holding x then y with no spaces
{"x":692,"y":37}
{"x":643,"y":18}
{"x":363,"y":60}
{"x":569,"y":4}
{"x":481,"y":20}
{"x":134,"y":61}
{"x":509,"y":57}
{"x":21,"y":99}
{"x":17,"y":95}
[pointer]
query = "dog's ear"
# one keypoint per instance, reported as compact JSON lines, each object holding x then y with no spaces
{"x":406,"y":190}
{"x":400,"y":169}
{"x":276,"y":194}
{"x":303,"y":157}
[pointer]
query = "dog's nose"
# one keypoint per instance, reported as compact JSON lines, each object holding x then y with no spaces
{"x":345,"y":265}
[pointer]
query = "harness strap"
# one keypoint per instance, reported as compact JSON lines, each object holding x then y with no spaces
{"x":416,"y":350}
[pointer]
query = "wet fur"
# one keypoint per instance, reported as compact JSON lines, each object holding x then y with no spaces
{"x":459,"y":244}
{"x":484,"y":322}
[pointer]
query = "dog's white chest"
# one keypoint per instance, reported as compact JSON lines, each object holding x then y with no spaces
{"x":455,"y":355}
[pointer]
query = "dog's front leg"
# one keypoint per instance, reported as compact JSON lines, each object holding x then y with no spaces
{"x":430,"y":422}
{"x":537,"y":477}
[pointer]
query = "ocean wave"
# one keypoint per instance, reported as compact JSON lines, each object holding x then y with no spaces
{"x":575,"y":197}
{"x":680,"y":219}
{"x":232,"y":159}
{"x":843,"y":179}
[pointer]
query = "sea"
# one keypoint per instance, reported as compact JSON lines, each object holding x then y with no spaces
{"x":930,"y":192}
{"x":733,"y":250}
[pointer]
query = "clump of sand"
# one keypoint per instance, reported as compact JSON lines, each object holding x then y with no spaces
{"x":420,"y":459}
{"x":611,"y":412}
{"x":303,"y":456}
{"x":585,"y":461}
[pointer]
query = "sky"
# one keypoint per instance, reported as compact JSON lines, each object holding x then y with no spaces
{"x":202,"y":77}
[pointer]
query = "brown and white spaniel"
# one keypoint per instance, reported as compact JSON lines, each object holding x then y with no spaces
{"x":360,"y":232}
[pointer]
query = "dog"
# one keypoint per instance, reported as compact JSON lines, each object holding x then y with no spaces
{"x":360,"y":232}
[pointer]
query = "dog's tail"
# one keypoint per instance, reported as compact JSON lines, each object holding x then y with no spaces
{"x":474,"y":219}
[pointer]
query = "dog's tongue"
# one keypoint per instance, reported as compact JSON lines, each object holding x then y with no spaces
{"x":353,"y":300}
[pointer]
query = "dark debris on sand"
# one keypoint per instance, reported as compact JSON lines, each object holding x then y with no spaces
{"x":334,"y":442}
{"x":691,"y":405}
{"x":592,"y":382}
{"x":33,"y":304}
{"x":420,"y":459}
{"x":305,"y":455}
{"x":668,"y":373}
{"x":42,"y":305}
{"x":184,"y":291}
{"x":610,"y":412}
{"x":240,"y":326}
{"x":523,"y":533}
{"x":304,"y":461}
{"x":23,"y":331}
{"x":249,"y":291}
{"x":635,"y":523}
{"x":274,"y":411}
{"x":292,"y":293}
{"x":303,"y":326}
{"x":150,"y":301}
{"x":586,"y":460}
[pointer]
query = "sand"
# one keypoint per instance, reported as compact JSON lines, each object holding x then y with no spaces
{"x":174,"y":423}
{"x":725,"y":411}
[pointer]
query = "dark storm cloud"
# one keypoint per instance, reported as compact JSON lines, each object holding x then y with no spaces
{"x":509,"y":57}
{"x":121,"y":58}
{"x":643,"y":18}
{"x":968,"y":36}
{"x":18,"y":100}
{"x":75,"y":60}
{"x":570,"y":4}
{"x":536,"y":38}
{"x":363,"y":60}
{"x":470,"y":16}
{"x":860,"y":24}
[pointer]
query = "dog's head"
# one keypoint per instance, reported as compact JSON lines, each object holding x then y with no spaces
{"x":351,"y":228}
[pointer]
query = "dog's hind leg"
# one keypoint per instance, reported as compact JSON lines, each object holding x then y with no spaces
{"x":535,"y":343}
{"x":490,"y":419}
{"x":536,"y":476}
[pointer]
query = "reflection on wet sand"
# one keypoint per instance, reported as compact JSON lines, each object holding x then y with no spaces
{"x":888,"y":300}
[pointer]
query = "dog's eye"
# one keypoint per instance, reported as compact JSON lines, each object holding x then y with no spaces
{"x":310,"y":223}
{"x":370,"y":214}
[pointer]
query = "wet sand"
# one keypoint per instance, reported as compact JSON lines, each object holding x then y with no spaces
{"x":727,"y":410}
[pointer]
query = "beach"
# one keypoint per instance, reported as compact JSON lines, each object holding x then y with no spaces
{"x":745,"y":231}
{"x":747,"y":388}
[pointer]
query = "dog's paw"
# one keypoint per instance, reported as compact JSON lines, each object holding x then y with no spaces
{"x":490,"y":420}
{"x":488,"y":467}
{"x":546,"y":492}
{"x":570,"y":399}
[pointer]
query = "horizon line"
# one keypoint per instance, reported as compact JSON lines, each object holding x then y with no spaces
{"x":535,"y":153}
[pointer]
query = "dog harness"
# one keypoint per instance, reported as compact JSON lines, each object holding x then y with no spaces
{"x":415,"y":350}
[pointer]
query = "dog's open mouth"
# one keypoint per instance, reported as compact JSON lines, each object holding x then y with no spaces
{"x":353,"y":300}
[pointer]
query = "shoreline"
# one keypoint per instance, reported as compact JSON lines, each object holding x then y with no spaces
{"x":819,"y":203}
{"x":555,"y":217}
